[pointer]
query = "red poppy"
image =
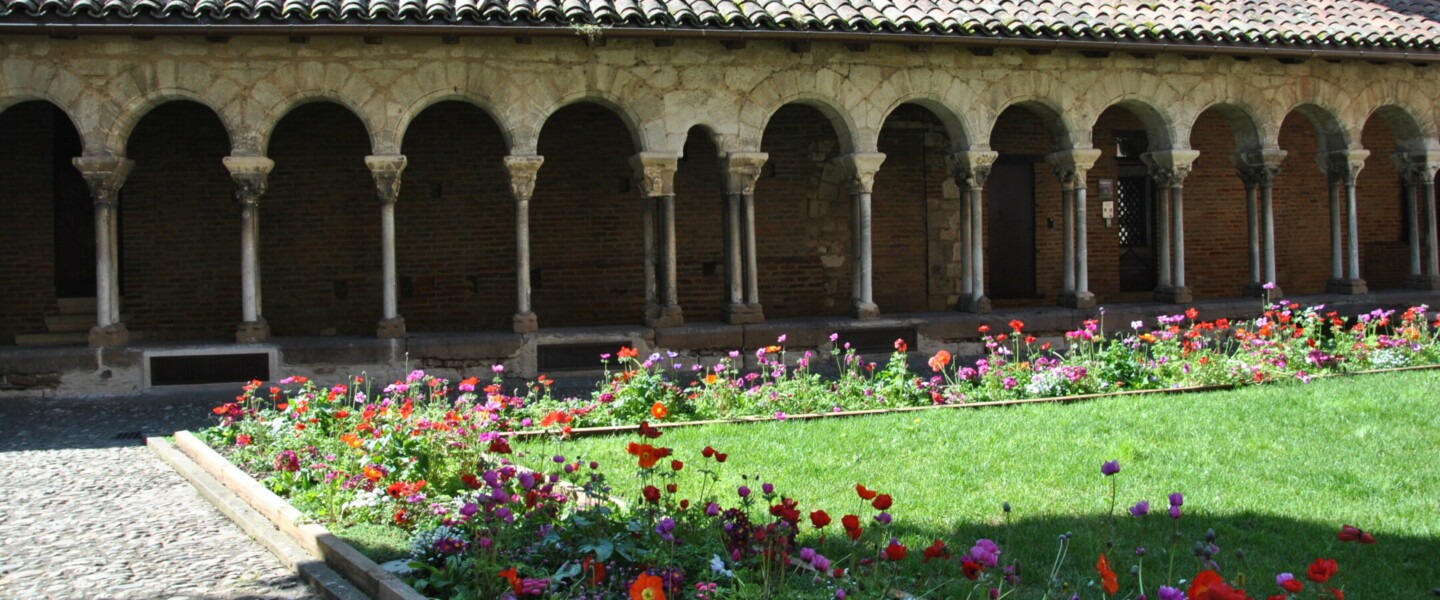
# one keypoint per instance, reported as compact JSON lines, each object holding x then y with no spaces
{"x":595,"y":568}
{"x":672,"y":487}
{"x":864,"y":493}
{"x":707,"y":452}
{"x":1351,"y":534}
{"x":1017,"y":325}
{"x":651,"y":493}
{"x":937,"y":550}
{"x":895,"y":551}
{"x":658,"y":410}
{"x":1201,"y":584}
{"x":971,"y":570}
{"x":1108,"y":581}
{"x":1322,"y":570}
{"x":901,"y":346}
{"x":513,"y":576}
{"x":940,"y":360}
{"x":819,"y":519}
{"x":1191,"y":313}
{"x":647,"y":454}
{"x":1292,"y":585}
{"x":500,"y":446}
{"x":676,"y":465}
{"x":647,"y":587}
{"x":647,"y":431}
{"x":558,"y":416}
{"x":628,"y":352}
{"x":882,"y":502}
{"x":850,"y":522}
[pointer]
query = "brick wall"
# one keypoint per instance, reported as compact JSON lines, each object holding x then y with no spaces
{"x":913,"y":174}
{"x":27,"y":273}
{"x":699,"y":230}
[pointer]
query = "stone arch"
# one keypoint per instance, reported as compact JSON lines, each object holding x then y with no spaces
{"x":119,"y":130}
{"x":10,"y":97}
{"x":1412,"y":133}
{"x":1063,"y":133}
{"x":528,"y":135}
{"x":844,"y":126}
{"x":955,"y":124}
{"x":277,"y":113}
{"x":1159,"y":126}
{"x":823,"y":94}
{"x":420,"y":104}
{"x":1245,"y":124}
{"x":1332,"y":133}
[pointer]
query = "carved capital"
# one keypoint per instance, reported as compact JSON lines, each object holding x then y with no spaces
{"x":972,"y":167}
{"x":250,"y":174}
{"x":386,"y":169}
{"x":523,"y":170}
{"x":862,"y":168}
{"x":741,"y":170}
{"x":104,"y":175}
{"x":1071,"y":166}
{"x":655,"y":173}
{"x":1417,"y":167}
{"x":1344,"y":165}
{"x":1258,"y":167}
{"x":1169,"y":168}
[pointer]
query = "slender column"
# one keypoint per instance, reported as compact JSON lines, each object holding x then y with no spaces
{"x":739,"y":171}
{"x":656,"y":174}
{"x":104,"y":175}
{"x":862,"y":168}
{"x":1343,"y":166}
{"x":524,"y":170}
{"x":1409,"y":187}
{"x":1162,"y":242}
{"x":1425,"y":264}
{"x":250,"y":174}
{"x":970,"y":169}
{"x":1169,"y":169}
{"x":1432,"y":240}
{"x":386,"y":169}
{"x":1258,"y":169}
{"x":1071,"y":168}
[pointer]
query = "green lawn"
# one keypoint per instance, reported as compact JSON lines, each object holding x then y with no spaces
{"x":1274,"y":470}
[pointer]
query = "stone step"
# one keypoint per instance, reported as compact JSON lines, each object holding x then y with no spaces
{"x":58,"y":339}
{"x":75,"y":306}
{"x":70,"y":323}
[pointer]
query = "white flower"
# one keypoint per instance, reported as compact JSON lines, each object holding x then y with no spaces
{"x":717,"y":565}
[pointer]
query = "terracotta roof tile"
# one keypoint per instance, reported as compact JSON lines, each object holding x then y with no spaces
{"x":1396,"y":24}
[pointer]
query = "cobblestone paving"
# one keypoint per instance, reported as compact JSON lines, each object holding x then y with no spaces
{"x":86,"y":515}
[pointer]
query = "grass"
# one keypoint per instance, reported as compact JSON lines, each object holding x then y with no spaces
{"x":1274,"y":470}
{"x":380,"y":543}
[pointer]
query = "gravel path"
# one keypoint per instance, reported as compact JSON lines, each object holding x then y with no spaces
{"x":86,"y":515}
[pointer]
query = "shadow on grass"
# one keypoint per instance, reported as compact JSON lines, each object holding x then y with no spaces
{"x":1253,"y":548}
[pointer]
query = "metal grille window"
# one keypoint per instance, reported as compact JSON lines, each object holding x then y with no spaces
{"x":1131,"y":212}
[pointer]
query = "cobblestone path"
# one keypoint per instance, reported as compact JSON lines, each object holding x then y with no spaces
{"x":86,"y":515}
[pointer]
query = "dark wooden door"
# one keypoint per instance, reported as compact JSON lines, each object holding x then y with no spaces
{"x":1010,"y":210}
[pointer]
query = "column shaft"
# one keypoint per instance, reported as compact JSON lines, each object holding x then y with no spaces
{"x":1082,"y":245}
{"x":387,"y":254}
{"x":1412,"y":214}
{"x":667,"y":249}
{"x":1067,"y":259}
{"x":1267,"y":210}
{"x":647,"y":220}
{"x":967,"y":270}
{"x":734,"y":277}
{"x":977,"y":250}
{"x":522,"y":256}
{"x":249,"y":262}
{"x":1162,"y":223}
{"x":752,"y":270}
{"x":1177,"y":197}
{"x":1353,"y":224}
{"x":1337,"y":253}
{"x":105,"y":280}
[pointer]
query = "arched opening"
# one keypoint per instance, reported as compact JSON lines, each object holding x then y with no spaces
{"x":320,"y":226}
{"x":916,"y":220}
{"x":1022,"y":209}
{"x":180,"y":246}
{"x":802,"y":217}
{"x":1217,"y":240}
{"x":1125,"y":256}
{"x":455,"y":223}
{"x":49,"y":244}
{"x":1302,"y":243}
{"x":587,"y":263}
{"x":699,"y":213}
{"x":1384,"y":228}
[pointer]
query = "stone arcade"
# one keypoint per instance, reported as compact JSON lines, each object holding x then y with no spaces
{"x":683,"y":177}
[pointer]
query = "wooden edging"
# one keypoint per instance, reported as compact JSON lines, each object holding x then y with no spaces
{"x":588,"y":431}
{"x":372,"y":580}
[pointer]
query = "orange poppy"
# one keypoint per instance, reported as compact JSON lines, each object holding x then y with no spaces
{"x":647,"y":454}
{"x":628,"y":352}
{"x":940,"y":360}
{"x":1108,"y":581}
{"x":659,"y":411}
{"x":647,"y":587}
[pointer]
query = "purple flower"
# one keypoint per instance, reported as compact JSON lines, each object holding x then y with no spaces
{"x":767,"y":488}
{"x":807,"y":554}
{"x":1140,"y":509}
{"x":985,"y":552}
{"x":664,"y":529}
{"x":1010,"y":383}
{"x":781,"y":339}
{"x":1110,"y":468}
{"x":883,"y":518}
{"x":1168,"y":593}
{"x":1177,"y":499}
{"x":712,"y":509}
{"x":743,"y":491}
{"x":1174,"y":512}
{"x":1284,"y":577}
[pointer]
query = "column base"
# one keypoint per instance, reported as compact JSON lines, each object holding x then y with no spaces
{"x":1077,"y":299}
{"x":1346,"y":286}
{"x":1423,"y":282}
{"x":664,"y":316}
{"x":865,"y":311}
{"x":1173,"y":295}
{"x":744,"y":314}
{"x":525,"y":323}
{"x":390,"y":329}
{"x":252,"y":331}
{"x":978,"y":306}
{"x":109,"y":336}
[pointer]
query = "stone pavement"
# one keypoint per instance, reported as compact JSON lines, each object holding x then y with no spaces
{"x":86,"y":515}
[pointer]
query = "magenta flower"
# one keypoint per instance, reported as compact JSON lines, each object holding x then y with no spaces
{"x":1110,"y":468}
{"x":1168,"y":593}
{"x":1140,"y":509}
{"x":1177,"y":499}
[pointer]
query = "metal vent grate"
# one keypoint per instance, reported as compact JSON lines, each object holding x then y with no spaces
{"x":195,"y":369}
{"x":576,"y":357}
{"x":1131,"y":212}
{"x":876,"y":341}
{"x":129,"y":435}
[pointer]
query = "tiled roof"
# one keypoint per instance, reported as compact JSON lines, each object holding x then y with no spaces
{"x":1393,"y":24}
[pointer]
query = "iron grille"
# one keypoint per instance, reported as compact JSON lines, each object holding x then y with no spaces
{"x":1131,"y":211}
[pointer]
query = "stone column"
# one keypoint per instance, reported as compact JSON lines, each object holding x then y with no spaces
{"x":862,"y":168}
{"x":739,"y":171}
{"x":1408,"y":189}
{"x":1071,"y":167}
{"x":386,"y":169}
{"x":970,"y":170}
{"x":1169,"y":169}
{"x":655,"y":172}
{"x":250,"y":174}
{"x":1342,"y":167}
{"x":1424,"y":242}
{"x":523,"y":172}
{"x":104,"y":175}
{"x":1258,"y":170}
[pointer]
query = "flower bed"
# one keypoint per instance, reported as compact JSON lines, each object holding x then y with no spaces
{"x":433,"y":462}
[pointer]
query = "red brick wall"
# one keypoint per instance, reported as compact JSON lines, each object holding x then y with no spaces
{"x":180,"y":226}
{"x":585,"y":222}
{"x":1021,"y":132}
{"x":1384,"y":245}
{"x":455,"y":223}
{"x":912,"y":174}
{"x":699,"y":230}
{"x":27,"y":273}
{"x":320,"y":226}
